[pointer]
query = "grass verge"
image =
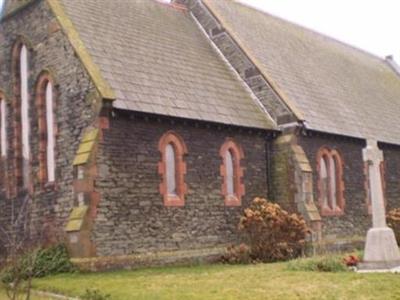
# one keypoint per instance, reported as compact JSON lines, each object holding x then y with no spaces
{"x":262,"y":281}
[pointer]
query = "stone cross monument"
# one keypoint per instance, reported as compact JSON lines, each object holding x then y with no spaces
{"x":381,"y":249}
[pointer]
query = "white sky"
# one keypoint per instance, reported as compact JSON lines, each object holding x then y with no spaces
{"x":372,"y":25}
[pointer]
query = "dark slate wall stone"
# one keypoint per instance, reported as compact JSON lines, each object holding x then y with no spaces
{"x":355,"y":221}
{"x":131,"y":215}
{"x":392,"y":175}
{"x":50,"y":50}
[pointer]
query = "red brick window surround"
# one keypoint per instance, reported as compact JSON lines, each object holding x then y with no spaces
{"x":172,"y":169}
{"x":20,"y":71}
{"x":45,"y":105}
{"x":330,"y":182}
{"x":232,"y":173}
{"x":368,"y":190}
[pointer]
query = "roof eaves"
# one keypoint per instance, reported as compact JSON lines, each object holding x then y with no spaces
{"x":299,"y":115}
{"x":102,"y":86}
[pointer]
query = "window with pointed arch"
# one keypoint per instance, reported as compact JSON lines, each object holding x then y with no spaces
{"x":367,"y":188}
{"x":3,"y":126}
{"x":45,"y":103}
{"x":232,"y":173}
{"x":330,"y":182}
{"x":22,"y":151}
{"x":3,"y":141}
{"x":172,"y":169}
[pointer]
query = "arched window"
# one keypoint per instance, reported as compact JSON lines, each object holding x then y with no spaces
{"x":21,"y":115}
{"x":330,"y":182}
{"x":229,"y":171}
{"x":172,"y":169}
{"x":25,"y":114}
{"x":3,"y":126}
{"x":3,"y":143}
{"x":232,"y":173}
{"x":47,"y":128}
{"x":324,"y":180}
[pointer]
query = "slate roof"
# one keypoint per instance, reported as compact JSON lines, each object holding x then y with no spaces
{"x":157,"y":60}
{"x":339,"y":89}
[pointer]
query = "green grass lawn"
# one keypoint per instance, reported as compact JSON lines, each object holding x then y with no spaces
{"x":3,"y":296}
{"x":263,"y":281}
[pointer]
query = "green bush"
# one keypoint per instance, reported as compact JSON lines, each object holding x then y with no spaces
{"x":39,"y":263}
{"x":95,"y":295}
{"x":272,"y":233}
{"x":318,"y":264}
{"x":53,"y":260}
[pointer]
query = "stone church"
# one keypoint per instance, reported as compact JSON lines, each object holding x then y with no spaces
{"x":148,"y":126}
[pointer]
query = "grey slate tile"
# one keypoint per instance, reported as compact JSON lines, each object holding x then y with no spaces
{"x":149,"y":51}
{"x":338,"y":88}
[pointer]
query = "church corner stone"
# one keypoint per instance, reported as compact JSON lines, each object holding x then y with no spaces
{"x":292,"y":182}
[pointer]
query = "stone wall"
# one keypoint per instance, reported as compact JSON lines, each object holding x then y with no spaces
{"x":131,"y":217}
{"x":49,"y":50}
{"x":292,"y":181}
{"x":354,"y":223}
{"x":391,"y":155}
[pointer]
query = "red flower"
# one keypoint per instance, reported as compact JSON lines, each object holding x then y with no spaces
{"x":351,"y":261}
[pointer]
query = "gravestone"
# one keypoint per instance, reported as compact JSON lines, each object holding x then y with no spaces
{"x":381,"y":249}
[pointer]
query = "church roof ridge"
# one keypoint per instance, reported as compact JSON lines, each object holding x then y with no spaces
{"x":311,"y":30}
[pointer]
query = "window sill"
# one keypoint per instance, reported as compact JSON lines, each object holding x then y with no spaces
{"x":327,"y":212}
{"x":232,"y":201}
{"x":173,"y":201}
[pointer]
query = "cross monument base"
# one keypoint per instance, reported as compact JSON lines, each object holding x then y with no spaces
{"x":381,"y":250}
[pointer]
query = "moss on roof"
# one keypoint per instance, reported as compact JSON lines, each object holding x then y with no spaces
{"x":157,"y":60}
{"x":338,"y":88}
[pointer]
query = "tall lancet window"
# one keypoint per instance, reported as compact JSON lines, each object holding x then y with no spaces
{"x":330,"y":182}
{"x":230,"y":180}
{"x":20,"y":108}
{"x":232,"y":173}
{"x":172,"y":169}
{"x":3,"y":143}
{"x":50,"y":133}
{"x":47,"y":128}
{"x":25,"y":128}
{"x":3,"y":126}
{"x":323,"y":174}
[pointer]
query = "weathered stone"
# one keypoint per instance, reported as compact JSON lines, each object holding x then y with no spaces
{"x":50,"y":51}
{"x":141,"y":221}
